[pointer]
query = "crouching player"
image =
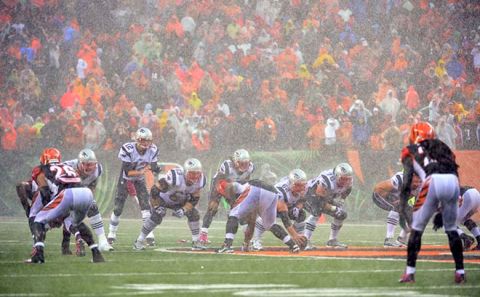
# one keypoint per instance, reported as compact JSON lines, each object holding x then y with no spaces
{"x":178,"y":190}
{"x":292,"y":189}
{"x":64,"y":200}
{"x":386,"y":195}
{"x":468,"y":206}
{"x":326,"y":194}
{"x":254,"y":199}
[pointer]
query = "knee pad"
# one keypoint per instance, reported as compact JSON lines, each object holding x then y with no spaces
{"x":470,"y":224}
{"x":158,"y":214}
{"x":340,"y":215}
{"x":93,"y":210}
{"x":193,"y":215}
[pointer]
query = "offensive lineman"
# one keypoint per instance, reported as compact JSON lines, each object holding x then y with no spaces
{"x":136,"y":157}
{"x":292,"y":188}
{"x":87,"y":166}
{"x":326,"y":194}
{"x":178,"y":190}
{"x":386,"y":195}
{"x":238,"y":168}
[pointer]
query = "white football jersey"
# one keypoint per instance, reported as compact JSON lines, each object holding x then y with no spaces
{"x":178,"y":191}
{"x":90,"y":179}
{"x":128,"y":153}
{"x":328,"y":180}
{"x":283,"y":187}
{"x":229,"y":170}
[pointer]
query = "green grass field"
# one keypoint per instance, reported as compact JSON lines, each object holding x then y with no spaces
{"x":154,"y":272}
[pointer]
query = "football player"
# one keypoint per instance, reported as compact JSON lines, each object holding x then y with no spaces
{"x":386,"y":195}
{"x":87,"y":166}
{"x":468,"y":206}
{"x":326,"y":194}
{"x":238,"y":168}
{"x":60,"y":199}
{"x":434,"y":162}
{"x":136,"y":157}
{"x":292,"y":189}
{"x":253,"y":199}
{"x":178,"y":190}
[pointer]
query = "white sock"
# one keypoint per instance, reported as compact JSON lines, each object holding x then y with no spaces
{"x":97,"y":225}
{"x":310,"y":225}
{"x":204,"y":230}
{"x":259,"y":229}
{"x":410,"y":270}
{"x":195,"y":229}
{"x":145,"y":215}
{"x":114,"y":221}
{"x":392,"y":222}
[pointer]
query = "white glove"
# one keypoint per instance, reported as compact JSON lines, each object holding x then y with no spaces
{"x":179,"y":213}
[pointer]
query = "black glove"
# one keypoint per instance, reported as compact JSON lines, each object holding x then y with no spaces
{"x":437,"y":221}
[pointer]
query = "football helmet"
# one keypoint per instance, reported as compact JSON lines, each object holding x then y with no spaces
{"x":144,"y":138}
{"x":50,"y":155}
{"x":343,"y":174}
{"x":298,"y":181}
{"x":241,"y":160}
{"x":87,"y":161}
{"x":193,"y":170}
{"x":421,"y":131}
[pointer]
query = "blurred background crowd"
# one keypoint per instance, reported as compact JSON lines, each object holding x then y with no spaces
{"x":263,"y":75}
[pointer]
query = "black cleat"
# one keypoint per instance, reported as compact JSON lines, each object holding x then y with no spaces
{"x":37,"y":256}
{"x":97,"y":256}
{"x":150,"y":241}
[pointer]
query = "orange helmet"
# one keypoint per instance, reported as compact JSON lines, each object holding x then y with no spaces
{"x":421,"y":131}
{"x":50,"y":155}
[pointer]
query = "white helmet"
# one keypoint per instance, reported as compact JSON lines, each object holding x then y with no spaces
{"x":87,"y":161}
{"x":241,"y":160}
{"x":144,"y":138}
{"x":193,"y":170}
{"x":343,"y":174}
{"x":298,"y":180}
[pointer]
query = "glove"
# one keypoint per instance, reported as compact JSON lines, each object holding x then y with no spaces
{"x":294,"y":213}
{"x":437,"y":221}
{"x":179,"y":213}
{"x":340,"y":214}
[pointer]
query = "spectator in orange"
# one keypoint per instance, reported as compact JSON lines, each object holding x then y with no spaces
{"x":201,"y":138}
{"x":412,"y":100}
{"x":315,"y":135}
{"x":9,"y":136}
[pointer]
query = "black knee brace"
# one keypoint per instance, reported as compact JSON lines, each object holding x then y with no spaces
{"x":470,"y":224}
{"x":93,"y":210}
{"x":232,"y":225}
{"x":278,"y":231}
{"x":85,"y":233}
{"x":193,"y":215}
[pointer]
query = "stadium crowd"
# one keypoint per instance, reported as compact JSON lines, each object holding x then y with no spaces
{"x":276,"y":74}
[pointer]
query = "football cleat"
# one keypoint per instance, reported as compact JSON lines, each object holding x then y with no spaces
{"x":198,"y":246}
{"x":407,"y":278}
{"x":104,"y":246}
{"x":138,"y":245}
{"x":402,"y":240}
{"x":150,"y":241}
{"x":391,"y":243}
{"x":467,"y":241}
{"x":80,"y":248}
{"x":37,"y":255}
{"x":97,"y":256}
{"x":309,"y":246}
{"x":256,"y":245}
{"x":460,"y":278}
{"x":225,"y":249}
{"x":334,"y":243}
